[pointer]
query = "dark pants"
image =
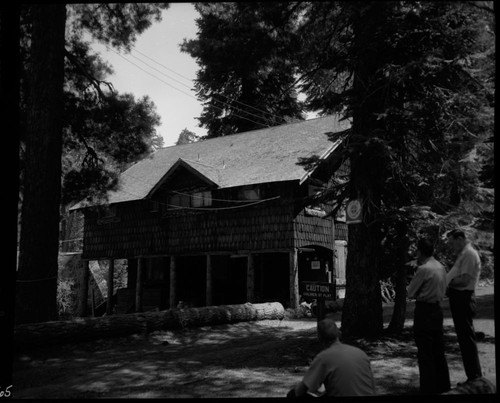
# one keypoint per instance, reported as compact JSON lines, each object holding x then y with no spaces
{"x":432,"y":365}
{"x":463,"y":309}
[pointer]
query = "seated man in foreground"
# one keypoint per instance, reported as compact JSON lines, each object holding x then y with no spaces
{"x":344,"y":370}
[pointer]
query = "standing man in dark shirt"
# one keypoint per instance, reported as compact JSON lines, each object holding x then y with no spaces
{"x":428,"y":288}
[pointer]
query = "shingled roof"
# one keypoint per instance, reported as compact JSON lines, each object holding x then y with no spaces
{"x":259,"y":156}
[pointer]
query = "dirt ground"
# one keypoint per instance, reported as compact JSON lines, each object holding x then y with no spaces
{"x":248,"y":359}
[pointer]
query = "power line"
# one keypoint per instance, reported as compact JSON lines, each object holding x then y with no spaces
{"x":222,"y":95}
{"x":182,"y":193}
{"x":189,"y":95}
{"x":201,"y":197}
{"x":204,"y":208}
{"x":187,"y":86}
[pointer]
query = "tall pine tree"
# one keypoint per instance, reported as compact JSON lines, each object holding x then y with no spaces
{"x":398,"y":71}
{"x":246,"y":78}
{"x":117,"y":24}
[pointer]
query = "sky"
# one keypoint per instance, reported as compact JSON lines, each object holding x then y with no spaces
{"x":157,"y":68}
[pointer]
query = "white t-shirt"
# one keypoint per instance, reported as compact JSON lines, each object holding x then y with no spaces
{"x":468,"y":262}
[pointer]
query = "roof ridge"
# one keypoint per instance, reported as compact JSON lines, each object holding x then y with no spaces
{"x":251,"y":131}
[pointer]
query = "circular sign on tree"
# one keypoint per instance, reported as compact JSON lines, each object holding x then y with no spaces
{"x":354,"y":211}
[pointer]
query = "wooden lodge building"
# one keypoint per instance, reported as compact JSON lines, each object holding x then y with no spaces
{"x":223,"y":221}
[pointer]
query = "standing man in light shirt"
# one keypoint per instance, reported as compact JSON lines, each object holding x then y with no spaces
{"x":462,"y":280}
{"x":428,"y":288}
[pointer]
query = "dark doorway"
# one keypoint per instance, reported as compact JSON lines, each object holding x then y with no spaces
{"x":229,"y":279}
{"x":272,"y":279}
{"x":191,"y":274}
{"x":238,"y":279}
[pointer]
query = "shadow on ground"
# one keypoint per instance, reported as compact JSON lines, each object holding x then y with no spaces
{"x":248,"y":359}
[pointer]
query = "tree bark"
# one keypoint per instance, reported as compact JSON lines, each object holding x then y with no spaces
{"x":36,"y":292}
{"x":362,"y":311}
{"x":399,"y":313}
{"x":10,"y":67}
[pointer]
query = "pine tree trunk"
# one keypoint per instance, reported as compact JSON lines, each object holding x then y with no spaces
{"x":36,"y":289}
{"x":362,"y":311}
{"x":399,"y":313}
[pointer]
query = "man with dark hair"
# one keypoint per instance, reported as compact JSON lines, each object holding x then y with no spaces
{"x":462,"y":280}
{"x":428,"y":288}
{"x":344,"y":370}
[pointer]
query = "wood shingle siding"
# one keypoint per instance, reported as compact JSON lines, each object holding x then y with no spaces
{"x":313,"y":230}
{"x":139,"y":232}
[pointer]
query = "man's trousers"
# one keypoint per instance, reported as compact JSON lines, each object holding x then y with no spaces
{"x":463,"y":309}
{"x":432,"y":364}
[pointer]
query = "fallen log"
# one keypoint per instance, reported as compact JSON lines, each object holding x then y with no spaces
{"x":84,"y":329}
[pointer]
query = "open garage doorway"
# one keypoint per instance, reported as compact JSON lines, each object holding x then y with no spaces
{"x":191,"y":284}
{"x":229,"y":279}
{"x":272,"y":278}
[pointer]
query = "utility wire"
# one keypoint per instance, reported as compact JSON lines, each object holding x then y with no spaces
{"x":181,"y":193}
{"x":187,"y":86}
{"x":222,"y":95}
{"x":185,"y":93}
{"x":205,"y":208}
{"x":201,"y":197}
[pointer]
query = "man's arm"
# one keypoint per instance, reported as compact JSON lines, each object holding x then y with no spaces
{"x":415,"y":284}
{"x":460,"y":281}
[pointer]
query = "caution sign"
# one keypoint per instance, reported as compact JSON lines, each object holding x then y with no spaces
{"x":314,"y":289}
{"x":354,"y":212}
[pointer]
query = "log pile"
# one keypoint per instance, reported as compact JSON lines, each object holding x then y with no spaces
{"x":84,"y":329}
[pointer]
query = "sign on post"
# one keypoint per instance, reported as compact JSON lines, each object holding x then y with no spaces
{"x":318,"y":290}
{"x":354,"y":212}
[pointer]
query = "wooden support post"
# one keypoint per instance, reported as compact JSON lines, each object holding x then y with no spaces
{"x":334,"y":268}
{"x":111,"y":270}
{"x":138,"y":284}
{"x":92,"y":300}
{"x":173,"y":286}
{"x":84,"y":289}
{"x":208,"y":301}
{"x":250,"y":279}
{"x":294,"y":279}
{"x":320,"y":309}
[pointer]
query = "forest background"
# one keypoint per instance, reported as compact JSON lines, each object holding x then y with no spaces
{"x":416,"y":79}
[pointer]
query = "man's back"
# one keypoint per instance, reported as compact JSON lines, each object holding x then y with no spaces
{"x":345,"y":371}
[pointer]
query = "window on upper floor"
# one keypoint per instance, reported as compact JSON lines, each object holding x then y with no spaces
{"x":197,"y":199}
{"x":201,"y":199}
{"x":249,"y":193}
{"x":179,"y":200}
